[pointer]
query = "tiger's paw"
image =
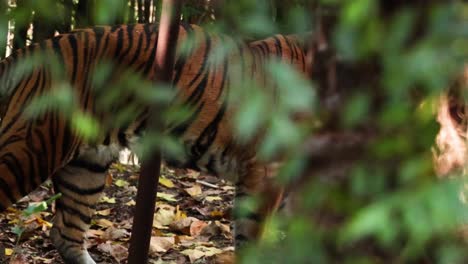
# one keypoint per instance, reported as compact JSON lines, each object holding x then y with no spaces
{"x":72,"y":252}
{"x":227,"y":257}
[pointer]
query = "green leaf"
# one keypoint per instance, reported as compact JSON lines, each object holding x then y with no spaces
{"x":167,"y":196}
{"x":295,"y":92}
{"x":85,"y":125}
{"x":17,"y":230}
{"x":121,"y":183}
{"x":356,"y":109}
{"x":35,"y":208}
{"x":358,"y":11}
{"x":372,"y":220}
{"x":251,"y":116}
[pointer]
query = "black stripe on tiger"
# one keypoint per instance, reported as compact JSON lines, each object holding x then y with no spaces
{"x":68,"y":238}
{"x":72,"y":211}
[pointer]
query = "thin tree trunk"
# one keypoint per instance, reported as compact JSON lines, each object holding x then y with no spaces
{"x":67,"y":16}
{"x":217,"y":6}
{"x":43,"y":25}
{"x":151,"y":166}
{"x":131,"y":12}
{"x":147,"y":11}
{"x":140,"y":11}
{"x":22,"y":26}
{"x":279,"y":9}
{"x":3,"y":27}
{"x":84,"y":14}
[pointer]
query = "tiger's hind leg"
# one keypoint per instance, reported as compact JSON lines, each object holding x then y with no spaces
{"x":80,"y":183}
{"x":249,"y":222}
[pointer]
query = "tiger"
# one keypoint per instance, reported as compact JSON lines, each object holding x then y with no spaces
{"x":34,"y":150}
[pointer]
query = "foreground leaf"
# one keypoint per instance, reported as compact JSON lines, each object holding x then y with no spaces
{"x":166,"y":182}
{"x":200,"y":252}
{"x":161,"y":244}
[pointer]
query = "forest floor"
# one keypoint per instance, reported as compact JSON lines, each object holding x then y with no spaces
{"x":191,"y":225}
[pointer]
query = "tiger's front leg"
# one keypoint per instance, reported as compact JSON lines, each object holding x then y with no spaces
{"x":80,"y":183}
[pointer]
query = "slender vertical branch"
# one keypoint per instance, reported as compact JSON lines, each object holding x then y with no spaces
{"x":140,"y":11}
{"x":84,"y":14}
{"x":131,"y":12}
{"x":43,"y":24}
{"x":66,"y":25}
{"x":147,"y":11}
{"x":150,"y":168}
{"x":22,"y":22}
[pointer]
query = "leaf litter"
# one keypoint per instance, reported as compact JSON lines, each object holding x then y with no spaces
{"x":191,"y":223}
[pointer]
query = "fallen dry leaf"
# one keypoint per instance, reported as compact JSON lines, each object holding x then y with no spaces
{"x":213,"y":198}
{"x":104,"y":223}
{"x":39,"y":195}
{"x":179,"y":214}
{"x":217,"y":214}
{"x":165,"y":214}
{"x":166,"y":182}
{"x":45,"y":224}
{"x":114,"y":234}
{"x":8,"y":251}
{"x":167,"y":196}
{"x":201,"y":251}
{"x":161,"y":244}
{"x":117,"y":251}
{"x":104,"y":212}
{"x":92,"y":233}
{"x":130,"y":203}
{"x":42,"y":260}
{"x":119,"y":167}
{"x":184,"y":239}
{"x":121,"y":183}
{"x":105,"y":199}
{"x":195,"y":190}
{"x":182,"y":225}
{"x":19,"y":258}
{"x":109,"y":179}
{"x":192,"y":173}
{"x":228,"y":188}
{"x":196,"y":227}
{"x":193,"y":254}
{"x":210,"y":230}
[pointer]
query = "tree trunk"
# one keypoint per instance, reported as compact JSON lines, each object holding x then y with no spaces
{"x":66,"y":22}
{"x":84,"y":14}
{"x":3,"y":27}
{"x":147,"y":11}
{"x":22,"y":26}
{"x":131,"y":12}
{"x":43,"y":25}
{"x":280,"y":10}
{"x":151,"y":166}
{"x":141,"y":18}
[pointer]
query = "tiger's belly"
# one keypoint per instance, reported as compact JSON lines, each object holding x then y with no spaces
{"x":220,"y":161}
{"x":216,"y":161}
